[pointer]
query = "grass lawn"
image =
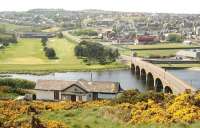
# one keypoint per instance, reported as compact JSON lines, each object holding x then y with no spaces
{"x":27,"y":56}
{"x":147,"y":53}
{"x":160,"y":45}
{"x":82,"y":118}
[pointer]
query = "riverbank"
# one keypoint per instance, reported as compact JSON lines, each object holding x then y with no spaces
{"x":47,"y":69}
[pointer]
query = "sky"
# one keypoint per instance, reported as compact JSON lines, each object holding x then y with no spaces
{"x":155,"y":6}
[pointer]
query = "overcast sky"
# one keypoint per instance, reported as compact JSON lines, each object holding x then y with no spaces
{"x":172,"y":6}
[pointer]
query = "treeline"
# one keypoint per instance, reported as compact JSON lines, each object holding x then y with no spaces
{"x":5,"y":39}
{"x":49,"y":52}
{"x":85,"y":32}
{"x":95,"y":52}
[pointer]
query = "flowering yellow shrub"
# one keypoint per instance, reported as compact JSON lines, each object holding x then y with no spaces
{"x":55,"y":124}
{"x":143,"y":112}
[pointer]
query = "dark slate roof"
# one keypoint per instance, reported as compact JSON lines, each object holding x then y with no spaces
{"x":89,"y":86}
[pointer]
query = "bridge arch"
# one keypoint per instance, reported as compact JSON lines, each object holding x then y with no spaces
{"x":168,"y":90}
{"x":137,"y":71}
{"x":158,"y":85}
{"x":150,"y":81}
{"x":132,"y":68}
{"x":143,"y":76}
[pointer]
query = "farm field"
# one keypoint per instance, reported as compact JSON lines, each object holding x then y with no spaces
{"x":27,"y":56}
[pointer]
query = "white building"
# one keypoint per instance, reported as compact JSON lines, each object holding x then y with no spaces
{"x":192,"y":54}
{"x":80,"y":90}
{"x":187,"y":42}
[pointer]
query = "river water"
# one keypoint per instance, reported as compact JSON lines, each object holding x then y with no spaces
{"x":125,"y":77}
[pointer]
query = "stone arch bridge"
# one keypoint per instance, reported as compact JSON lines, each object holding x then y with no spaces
{"x":157,"y":78}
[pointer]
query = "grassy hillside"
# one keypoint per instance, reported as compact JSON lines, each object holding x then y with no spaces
{"x":27,"y":56}
{"x":130,"y":110}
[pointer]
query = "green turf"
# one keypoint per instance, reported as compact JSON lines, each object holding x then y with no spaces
{"x":82,"y":118}
{"x":27,"y":56}
{"x":26,"y":51}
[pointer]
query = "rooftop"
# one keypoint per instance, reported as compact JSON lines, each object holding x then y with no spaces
{"x":89,"y":86}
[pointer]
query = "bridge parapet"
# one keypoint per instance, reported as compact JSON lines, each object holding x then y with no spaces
{"x":167,"y":79}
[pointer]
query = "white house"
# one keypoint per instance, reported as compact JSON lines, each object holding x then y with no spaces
{"x":80,"y":90}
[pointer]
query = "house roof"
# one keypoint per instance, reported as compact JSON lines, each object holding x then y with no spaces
{"x":89,"y":86}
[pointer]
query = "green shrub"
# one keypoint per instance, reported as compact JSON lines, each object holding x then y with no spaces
{"x":17,"y":83}
{"x":134,"y":96}
{"x":174,"y":37}
{"x":85,"y":32}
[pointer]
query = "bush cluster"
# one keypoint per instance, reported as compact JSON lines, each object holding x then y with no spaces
{"x":85,"y":32}
{"x":96,"y":52}
{"x":17,"y":83}
{"x":151,"y":107}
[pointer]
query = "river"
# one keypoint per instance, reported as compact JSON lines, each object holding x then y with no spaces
{"x":125,"y":77}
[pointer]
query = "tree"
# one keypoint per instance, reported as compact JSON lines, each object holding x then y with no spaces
{"x":60,"y":35}
{"x":50,"y":53}
{"x":96,"y":52}
{"x":174,"y":37}
{"x":44,"y":40}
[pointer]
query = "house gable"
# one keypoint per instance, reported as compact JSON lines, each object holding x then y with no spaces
{"x":74,"y":89}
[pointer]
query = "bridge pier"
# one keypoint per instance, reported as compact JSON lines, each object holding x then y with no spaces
{"x":150,"y":81}
{"x":158,"y":85}
{"x":143,"y":76}
{"x":137,"y":72}
{"x":133,"y":68}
